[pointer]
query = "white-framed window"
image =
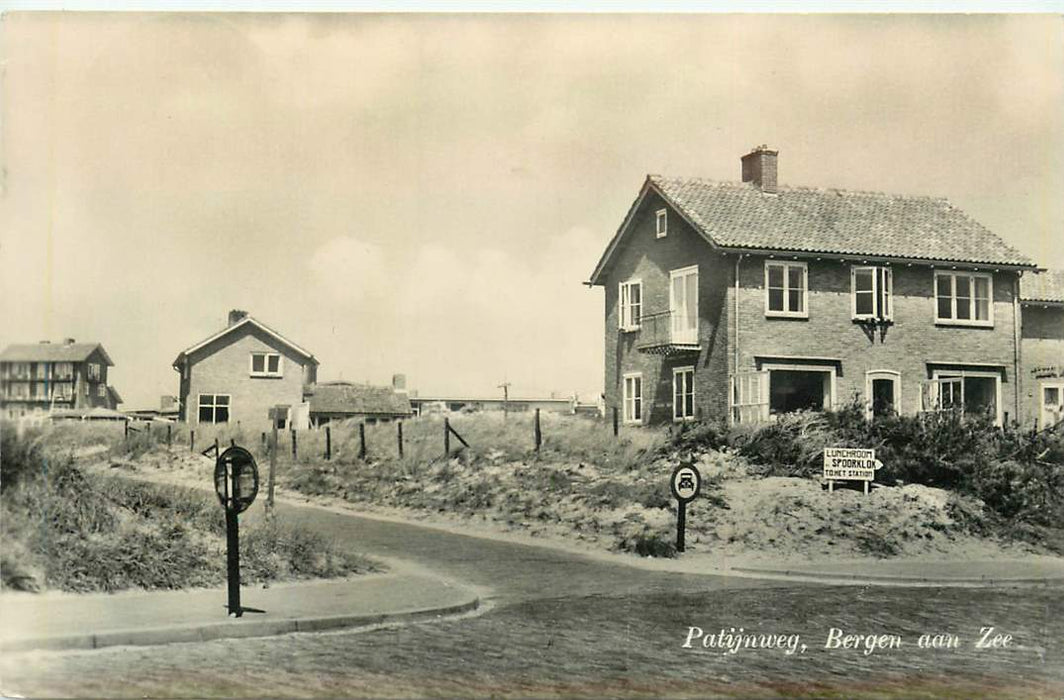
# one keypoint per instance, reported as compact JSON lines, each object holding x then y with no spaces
{"x":964,"y":298}
{"x":882,"y":393}
{"x":683,"y":305}
{"x":62,"y":370}
{"x":214,"y":408}
{"x":800,"y":387}
{"x":633,"y":398}
{"x":265,"y":364}
{"x":871,"y":289}
{"x":683,"y":394}
{"x":101,"y":391}
{"x":785,"y":289}
{"x":631,"y":296}
{"x":20,"y":370}
{"x":965,"y":391}
{"x":94,"y":371}
{"x":662,"y":223}
{"x":1052,"y":394}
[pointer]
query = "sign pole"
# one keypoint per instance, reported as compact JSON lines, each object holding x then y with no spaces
{"x":232,"y":555}
{"x":236,"y":482}
{"x":681,"y":524}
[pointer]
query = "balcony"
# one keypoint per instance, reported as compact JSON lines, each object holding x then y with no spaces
{"x":665,"y":333}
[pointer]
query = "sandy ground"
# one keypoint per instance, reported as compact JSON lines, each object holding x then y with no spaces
{"x":769,"y":521}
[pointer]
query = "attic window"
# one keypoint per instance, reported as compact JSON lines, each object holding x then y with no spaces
{"x":265,"y":364}
{"x":663,"y":223}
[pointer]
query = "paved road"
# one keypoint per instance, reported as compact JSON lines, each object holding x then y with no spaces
{"x":513,"y":572}
{"x":564,"y":625}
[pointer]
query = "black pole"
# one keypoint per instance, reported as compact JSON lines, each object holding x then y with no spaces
{"x":615,"y":428}
{"x":681,"y":524}
{"x":400,"y":425}
{"x":169,"y":434}
{"x":446,"y":437}
{"x":232,"y":557}
{"x":328,"y":443}
{"x":539,"y":433}
{"x":293,"y":444}
{"x":361,"y":440}
{"x":192,"y":441}
{"x":126,"y":434}
{"x":216,"y":452}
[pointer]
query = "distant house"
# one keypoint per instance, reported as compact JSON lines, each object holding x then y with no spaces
{"x":1042,"y":346}
{"x":46,"y":377}
{"x":333,"y":401}
{"x":746,"y":300}
{"x":450,"y":403}
{"x":246,"y":373}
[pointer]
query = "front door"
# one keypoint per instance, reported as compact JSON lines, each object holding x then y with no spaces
{"x":683,"y":305}
{"x":883,"y":397}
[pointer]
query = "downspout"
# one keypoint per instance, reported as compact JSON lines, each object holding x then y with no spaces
{"x":1017,"y":356}
{"x":735,"y":368}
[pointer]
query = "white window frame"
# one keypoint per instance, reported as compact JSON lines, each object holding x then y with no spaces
{"x":101,"y":391}
{"x":93,"y":371}
{"x":630,"y":401}
{"x":688,"y":335}
{"x":624,"y":307}
{"x":972,"y":276}
{"x":786,"y":265}
{"x":873,"y":374}
{"x":678,"y":408}
{"x":831,"y":370}
{"x":1042,"y":386}
{"x":882,"y":292}
{"x":265,"y":364}
{"x":939,"y":375}
{"x":214,"y":408}
{"x":661,"y":223}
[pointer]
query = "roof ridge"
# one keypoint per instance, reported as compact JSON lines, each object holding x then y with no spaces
{"x":800,"y":188}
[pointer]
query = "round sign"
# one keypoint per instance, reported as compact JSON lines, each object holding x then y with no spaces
{"x":686,"y":482}
{"x":236,"y":479}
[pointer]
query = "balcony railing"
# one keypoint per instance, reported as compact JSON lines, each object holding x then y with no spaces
{"x":661,"y":334}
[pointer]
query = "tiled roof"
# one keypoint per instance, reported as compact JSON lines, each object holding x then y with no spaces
{"x":1044,"y":286}
{"x":245,"y":321}
{"x":345,"y":397}
{"x":52,"y":352}
{"x":802,"y":219}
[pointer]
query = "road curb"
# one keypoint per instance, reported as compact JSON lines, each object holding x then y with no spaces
{"x":881,"y":579}
{"x":230,"y":629}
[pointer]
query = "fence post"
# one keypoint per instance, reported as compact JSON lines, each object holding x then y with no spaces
{"x":265,"y":446}
{"x":232,"y":442}
{"x":615,"y":429}
{"x":539,"y":433}
{"x":446,"y":437}
{"x":362,"y":440}
{"x":169,"y":435}
{"x":328,"y":443}
{"x":125,"y":433}
{"x":294,"y":450}
{"x":400,"y":425}
{"x":149,"y":429}
{"x":216,"y":452}
{"x":192,"y":441}
{"x":273,"y":468}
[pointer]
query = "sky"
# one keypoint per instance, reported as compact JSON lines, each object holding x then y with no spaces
{"x":426,"y":194}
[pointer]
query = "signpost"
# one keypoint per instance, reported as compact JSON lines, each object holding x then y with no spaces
{"x":685,"y":483}
{"x":850,"y":464}
{"x":236,"y":481}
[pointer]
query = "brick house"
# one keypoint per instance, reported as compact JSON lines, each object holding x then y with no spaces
{"x":246,"y":373}
{"x":44,"y":377}
{"x":1042,"y":347}
{"x":744,"y":300}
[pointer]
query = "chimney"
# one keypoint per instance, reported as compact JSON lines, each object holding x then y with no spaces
{"x":236,"y":316}
{"x":68,"y":341}
{"x":759,"y":167}
{"x":399,"y":383}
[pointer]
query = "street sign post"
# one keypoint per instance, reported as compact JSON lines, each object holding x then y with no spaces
{"x":850,"y":464}
{"x":685,"y":484}
{"x":236,"y":481}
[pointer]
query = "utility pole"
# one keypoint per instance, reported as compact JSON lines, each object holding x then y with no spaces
{"x":505,"y":386}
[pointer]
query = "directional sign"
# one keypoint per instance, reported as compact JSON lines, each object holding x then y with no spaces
{"x":686,"y":482}
{"x":850,"y":464}
{"x":236,"y":479}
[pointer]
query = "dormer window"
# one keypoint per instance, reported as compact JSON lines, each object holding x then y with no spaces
{"x":663,"y":223}
{"x":265,"y":364}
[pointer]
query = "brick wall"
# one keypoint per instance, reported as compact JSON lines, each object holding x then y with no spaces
{"x":223,"y":367}
{"x":1042,"y":339}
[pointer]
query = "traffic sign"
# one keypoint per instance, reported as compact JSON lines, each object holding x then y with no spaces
{"x":236,"y":479}
{"x":686,"y":482}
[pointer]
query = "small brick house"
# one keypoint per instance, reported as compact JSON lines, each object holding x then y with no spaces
{"x":46,"y":377}
{"x":247,"y":373}
{"x":745,"y":300}
{"x":1042,"y":347}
